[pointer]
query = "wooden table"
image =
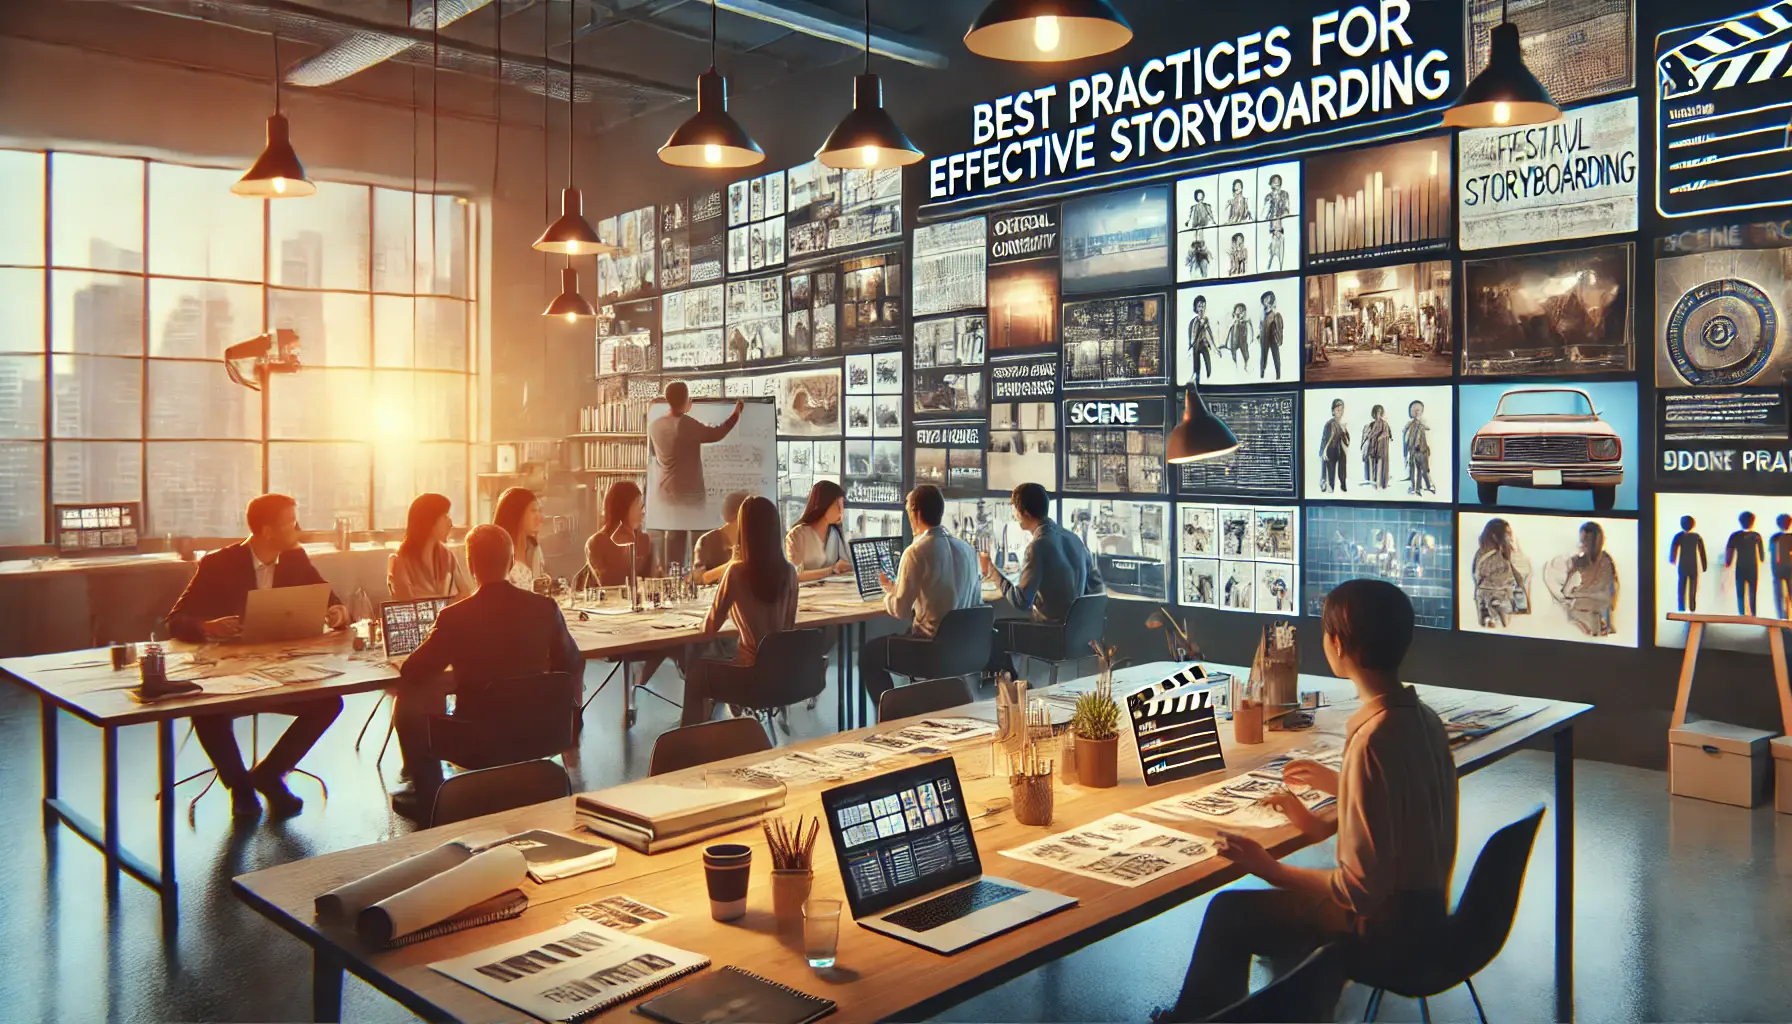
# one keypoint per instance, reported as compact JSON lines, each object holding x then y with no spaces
{"x":84,"y":684}
{"x":877,"y":976}
{"x":1695,"y":635}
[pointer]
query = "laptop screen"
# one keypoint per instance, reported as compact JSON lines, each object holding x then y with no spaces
{"x":870,"y":556}
{"x":405,"y":624}
{"x":901,"y":835}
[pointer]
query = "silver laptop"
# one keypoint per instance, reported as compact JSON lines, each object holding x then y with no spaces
{"x":285,"y":613}
{"x":909,"y":862}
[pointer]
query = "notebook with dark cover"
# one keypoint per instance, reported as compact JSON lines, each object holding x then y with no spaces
{"x":501,"y":907}
{"x":734,"y":996}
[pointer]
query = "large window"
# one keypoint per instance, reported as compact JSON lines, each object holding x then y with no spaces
{"x":123,"y":281}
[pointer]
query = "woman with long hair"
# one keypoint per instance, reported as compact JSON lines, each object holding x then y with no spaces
{"x":423,"y":566}
{"x":519,"y":514}
{"x":607,"y":552}
{"x":1496,"y":578}
{"x":816,"y":545}
{"x":758,"y":593}
{"x":1591,"y":589}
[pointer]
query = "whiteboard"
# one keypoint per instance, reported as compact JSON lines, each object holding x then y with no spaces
{"x":745,"y":460}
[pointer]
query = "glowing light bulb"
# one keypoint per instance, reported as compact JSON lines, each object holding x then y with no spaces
{"x":1045,"y":32}
{"x":572,"y":248}
{"x":712,"y":154}
{"x":572,"y":318}
{"x":869,"y":155}
{"x":280,"y":186}
{"x":1502,"y":113}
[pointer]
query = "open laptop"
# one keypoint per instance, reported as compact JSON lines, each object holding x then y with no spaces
{"x":870,"y":556}
{"x":285,"y":613}
{"x":909,"y":862}
{"x":404,"y":625}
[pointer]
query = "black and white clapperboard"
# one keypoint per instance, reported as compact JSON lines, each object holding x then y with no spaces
{"x":1174,"y":728}
{"x":1724,"y":111}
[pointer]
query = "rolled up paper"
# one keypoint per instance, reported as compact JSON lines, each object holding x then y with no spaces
{"x":438,"y":898}
{"x":343,"y":904}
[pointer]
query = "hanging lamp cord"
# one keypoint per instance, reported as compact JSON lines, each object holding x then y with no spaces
{"x":867,"y":37}
{"x":276,"y":35}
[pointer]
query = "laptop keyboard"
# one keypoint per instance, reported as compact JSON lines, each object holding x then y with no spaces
{"x":951,"y":906}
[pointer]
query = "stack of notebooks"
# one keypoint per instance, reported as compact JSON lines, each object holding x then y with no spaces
{"x":652,"y":816}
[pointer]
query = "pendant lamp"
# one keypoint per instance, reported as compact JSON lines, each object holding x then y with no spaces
{"x":711,"y":137}
{"x":277,"y":172}
{"x":569,"y":303}
{"x":1201,"y":435}
{"x":1505,"y":93}
{"x":1047,"y":30}
{"x":571,"y":233}
{"x":868,"y":137}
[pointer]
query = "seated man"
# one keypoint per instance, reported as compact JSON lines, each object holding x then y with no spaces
{"x":211,"y":608}
{"x":715,"y":549}
{"x":1056,"y":571}
{"x":500,"y":632}
{"x":1396,"y":825}
{"x":938,"y":574}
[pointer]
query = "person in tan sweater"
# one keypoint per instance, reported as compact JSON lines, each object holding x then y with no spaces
{"x":759,"y":595}
{"x":423,"y":566}
{"x":1395,"y":823}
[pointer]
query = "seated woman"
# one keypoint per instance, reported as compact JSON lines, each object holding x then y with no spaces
{"x":758,"y":593}
{"x":816,"y":545}
{"x":620,"y":544}
{"x":423,"y":566}
{"x":715,"y":549}
{"x":519,"y":514}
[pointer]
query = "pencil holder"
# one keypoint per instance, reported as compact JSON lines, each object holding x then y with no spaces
{"x":790,"y":890}
{"x":1032,"y":798}
{"x":1247,"y":722}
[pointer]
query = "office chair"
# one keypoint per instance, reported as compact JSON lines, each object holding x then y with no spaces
{"x":490,"y":790}
{"x":1307,"y":993}
{"x":1057,"y":643}
{"x":693,"y":745}
{"x":506,"y":721}
{"x":922,"y":698}
{"x":959,"y":647}
{"x":791,"y":667}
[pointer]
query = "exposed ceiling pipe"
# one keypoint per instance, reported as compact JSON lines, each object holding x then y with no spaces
{"x":815,"y":20}
{"x":363,"y":50}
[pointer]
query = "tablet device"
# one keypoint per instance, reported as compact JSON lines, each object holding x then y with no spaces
{"x":871,"y":556}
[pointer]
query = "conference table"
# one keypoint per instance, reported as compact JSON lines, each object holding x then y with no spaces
{"x":84,"y":684}
{"x":877,"y":977}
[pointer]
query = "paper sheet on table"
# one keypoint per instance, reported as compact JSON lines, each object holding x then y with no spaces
{"x":342,"y":904}
{"x":440,"y":897}
{"x":1119,"y":848}
{"x":297,"y":672}
{"x":235,"y":684}
{"x":1235,"y":801}
{"x":836,"y":761}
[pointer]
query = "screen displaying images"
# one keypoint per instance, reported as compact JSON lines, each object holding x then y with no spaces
{"x":755,"y":320}
{"x":1023,"y":305}
{"x":625,"y":338}
{"x":691,"y":323}
{"x":871,"y":308}
{"x":629,"y":271}
{"x":1389,"y":200}
{"x":1238,"y":223}
{"x":1556,"y":446}
{"x":947,"y":356}
{"x":1265,"y":464}
{"x":1412,"y":548}
{"x":756,"y":223}
{"x":1723,"y":439}
{"x":1722,"y":554}
{"x":1238,"y":558}
{"x":808,"y":402}
{"x":1130,"y":542}
{"x":1023,"y":445}
{"x":1380,"y":323}
{"x":1549,"y":313}
{"x":693,"y":240}
{"x":950,"y":264}
{"x":950,"y":455}
{"x":1114,"y":342}
{"x":874,"y":395}
{"x":873,"y":472}
{"x":1721,"y":318}
{"x":1245,"y":332}
{"x":1114,"y":446}
{"x":1379,"y":444}
{"x":1117,"y":240}
{"x":1550,"y":577}
{"x":812,"y":312}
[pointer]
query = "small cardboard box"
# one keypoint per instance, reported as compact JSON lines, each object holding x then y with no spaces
{"x":1782,"y":774}
{"x":1718,"y":761}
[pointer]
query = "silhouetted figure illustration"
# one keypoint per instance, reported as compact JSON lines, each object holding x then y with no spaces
{"x":1686,"y":553}
{"x":1745,"y":553}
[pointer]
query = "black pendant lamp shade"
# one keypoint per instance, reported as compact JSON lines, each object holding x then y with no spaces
{"x":1047,"y":30}
{"x":277,"y":172}
{"x":711,"y":137}
{"x":571,"y":233}
{"x":868,"y":137}
{"x":1505,"y":93}
{"x":569,"y":303}
{"x":1201,"y":434}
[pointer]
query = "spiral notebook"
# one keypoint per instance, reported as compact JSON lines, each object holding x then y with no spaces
{"x":571,"y":972}
{"x":734,"y":996}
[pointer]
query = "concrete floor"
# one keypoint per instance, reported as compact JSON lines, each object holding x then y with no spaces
{"x":1684,"y":908}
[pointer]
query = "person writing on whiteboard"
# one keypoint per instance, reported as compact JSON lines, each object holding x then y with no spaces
{"x":675,"y":442}
{"x":816,"y":545}
{"x":938,"y":575}
{"x":1396,"y":827}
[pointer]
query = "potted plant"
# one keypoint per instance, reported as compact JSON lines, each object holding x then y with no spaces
{"x":1096,"y":724}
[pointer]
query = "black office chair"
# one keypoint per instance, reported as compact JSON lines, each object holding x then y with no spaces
{"x":959,"y":647}
{"x":791,"y":668}
{"x":923,"y":698}
{"x":1058,"y":643}
{"x":508,"y":720}
{"x":1477,"y":929}
{"x":693,"y":745}
{"x":490,"y":790}
{"x":1307,"y":993}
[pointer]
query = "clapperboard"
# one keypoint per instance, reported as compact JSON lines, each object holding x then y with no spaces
{"x":1724,"y":113}
{"x":1174,"y":728}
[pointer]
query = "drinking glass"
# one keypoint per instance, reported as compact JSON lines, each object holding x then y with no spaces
{"x":821,"y":932}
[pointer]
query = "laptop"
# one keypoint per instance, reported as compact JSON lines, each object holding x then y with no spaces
{"x":870,"y":556}
{"x":404,"y":625}
{"x":910,"y":867}
{"x":285,"y":613}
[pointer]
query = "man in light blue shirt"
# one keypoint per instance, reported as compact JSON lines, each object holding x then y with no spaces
{"x":938,"y":575}
{"x":1056,"y":571}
